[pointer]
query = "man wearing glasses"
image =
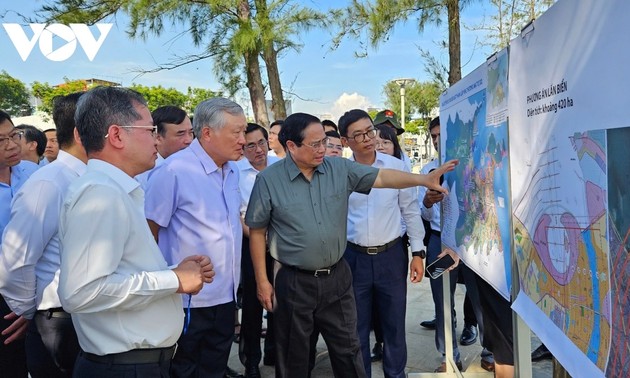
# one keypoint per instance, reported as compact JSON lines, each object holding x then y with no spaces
{"x":13,"y":174}
{"x":193,"y":206}
{"x":302,"y":204}
{"x":376,"y":253}
{"x":256,"y":159}
{"x":113,"y":279}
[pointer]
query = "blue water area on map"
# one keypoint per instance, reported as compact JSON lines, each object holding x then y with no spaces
{"x":594,"y":343}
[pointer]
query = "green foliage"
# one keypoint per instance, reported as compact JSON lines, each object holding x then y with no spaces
{"x":47,"y":93}
{"x":160,"y":96}
{"x":197,"y":95}
{"x":415,"y":127}
{"x":14,"y":95}
{"x":420,"y":98}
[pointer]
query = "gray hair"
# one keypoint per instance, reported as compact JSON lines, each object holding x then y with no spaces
{"x":101,"y":107}
{"x":210,"y":113}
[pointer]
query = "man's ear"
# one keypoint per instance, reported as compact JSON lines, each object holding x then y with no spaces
{"x":344,"y":141}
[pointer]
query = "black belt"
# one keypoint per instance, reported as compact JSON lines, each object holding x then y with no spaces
{"x":316,"y":272}
{"x":374,"y":250}
{"x":56,"y":312}
{"x":134,"y":356}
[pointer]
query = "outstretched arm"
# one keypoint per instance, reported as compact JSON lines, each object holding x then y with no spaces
{"x":391,"y":178}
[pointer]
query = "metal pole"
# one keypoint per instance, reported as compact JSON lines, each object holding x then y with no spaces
{"x":402,"y":104}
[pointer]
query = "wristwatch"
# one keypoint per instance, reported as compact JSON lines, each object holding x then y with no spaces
{"x":421,"y":253}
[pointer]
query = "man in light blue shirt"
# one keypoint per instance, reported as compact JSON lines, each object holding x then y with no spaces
{"x":375,"y":252}
{"x":193,"y":206}
{"x":13,"y":174}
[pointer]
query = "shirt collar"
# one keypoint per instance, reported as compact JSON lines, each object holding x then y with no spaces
{"x":75,"y":164}
{"x":206,"y":161}
{"x":378,"y":161}
{"x":292,"y":169}
{"x":126,"y":182}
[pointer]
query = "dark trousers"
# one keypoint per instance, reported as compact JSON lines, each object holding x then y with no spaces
{"x":497,"y":321}
{"x":473,"y":314}
{"x":51,"y":346}
{"x":434,"y":249}
{"x":205,"y":349}
{"x":12,"y":356}
{"x":381,"y":281}
{"x":251,"y":315}
{"x":326,"y":302}
{"x":85,"y":368}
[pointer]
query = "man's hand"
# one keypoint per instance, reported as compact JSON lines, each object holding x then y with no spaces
{"x":265,"y":295}
{"x":433,"y":177}
{"x":454,"y":256}
{"x":431,"y":197}
{"x":193,"y":272}
{"x":16,"y":330}
{"x":416,"y":269}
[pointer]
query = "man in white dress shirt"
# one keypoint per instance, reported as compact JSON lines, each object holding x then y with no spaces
{"x":114,"y":281}
{"x":375,"y":252}
{"x":255,"y":151}
{"x":29,"y":262}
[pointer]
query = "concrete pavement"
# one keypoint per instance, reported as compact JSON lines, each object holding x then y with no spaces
{"x":422,"y":357}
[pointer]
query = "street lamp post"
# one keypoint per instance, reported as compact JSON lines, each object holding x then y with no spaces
{"x":402,"y":83}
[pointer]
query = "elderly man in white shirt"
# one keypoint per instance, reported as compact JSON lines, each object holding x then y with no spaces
{"x":375,"y":253}
{"x":29,"y":262}
{"x":114,"y":281}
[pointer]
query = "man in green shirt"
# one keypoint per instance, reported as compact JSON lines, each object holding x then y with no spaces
{"x":301,"y":205}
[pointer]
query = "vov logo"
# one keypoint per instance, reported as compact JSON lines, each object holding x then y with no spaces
{"x":45,"y":34}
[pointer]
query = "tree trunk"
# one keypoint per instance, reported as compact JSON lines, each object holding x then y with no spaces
{"x":454,"y":42}
{"x":278,"y":106}
{"x":252,"y":68}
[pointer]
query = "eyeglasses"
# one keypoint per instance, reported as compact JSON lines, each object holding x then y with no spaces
{"x":362,"y":137}
{"x":153,"y":129}
{"x":16,"y":137}
{"x":384,"y":143}
{"x":252,"y":146}
{"x":315,"y":145}
{"x":337,"y":147}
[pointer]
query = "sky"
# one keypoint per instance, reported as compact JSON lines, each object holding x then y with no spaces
{"x":323,"y":81}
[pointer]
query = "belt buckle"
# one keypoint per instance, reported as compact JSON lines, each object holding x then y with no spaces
{"x":372,"y":250}
{"x":318,"y":271}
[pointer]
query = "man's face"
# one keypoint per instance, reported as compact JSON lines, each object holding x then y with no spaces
{"x":361,"y":136}
{"x":311,"y":152}
{"x":52,"y":146}
{"x":29,"y":149}
{"x":334,"y":147}
{"x":141,"y":144}
{"x":176,"y":137}
{"x":9,"y":149}
{"x":435,"y":137}
{"x":274,"y":143}
{"x":227,"y":143}
{"x":255,"y":149}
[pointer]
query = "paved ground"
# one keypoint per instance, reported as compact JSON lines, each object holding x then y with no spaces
{"x":422,"y":355}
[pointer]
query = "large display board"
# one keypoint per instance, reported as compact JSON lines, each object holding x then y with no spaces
{"x":569,"y":153}
{"x":476,"y":214}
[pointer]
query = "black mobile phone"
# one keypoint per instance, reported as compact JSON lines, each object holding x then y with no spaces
{"x":439,"y":266}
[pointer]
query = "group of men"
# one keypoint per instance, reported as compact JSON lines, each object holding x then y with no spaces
{"x":135,"y":267}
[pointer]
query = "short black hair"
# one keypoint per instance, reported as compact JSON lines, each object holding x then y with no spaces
{"x":4,"y":116}
{"x":350,"y":117}
{"x":294,"y":126}
{"x":333,"y":134}
{"x":386,"y":132}
{"x":33,"y":134}
{"x":328,"y":122}
{"x":167,"y":114}
{"x":434,"y":122}
{"x":63,"y":116}
{"x":277,"y":122}
{"x":101,"y":107}
{"x":251,"y":127}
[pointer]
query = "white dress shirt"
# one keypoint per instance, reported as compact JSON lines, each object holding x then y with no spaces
{"x":374,"y":219}
{"x":247,"y":178}
{"x":431,"y":214}
{"x":29,"y":262}
{"x":113,"y":278}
